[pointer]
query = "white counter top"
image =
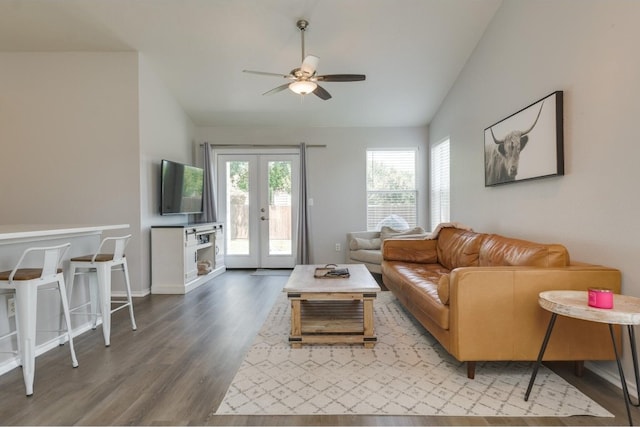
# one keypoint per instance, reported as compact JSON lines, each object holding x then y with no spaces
{"x":21,"y":231}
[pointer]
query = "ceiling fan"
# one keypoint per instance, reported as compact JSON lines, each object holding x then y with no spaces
{"x":305,"y":79}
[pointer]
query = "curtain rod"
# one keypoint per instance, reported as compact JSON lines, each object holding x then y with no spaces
{"x":263,"y":145}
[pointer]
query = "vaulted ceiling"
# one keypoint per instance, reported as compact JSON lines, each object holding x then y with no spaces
{"x":410,"y":50}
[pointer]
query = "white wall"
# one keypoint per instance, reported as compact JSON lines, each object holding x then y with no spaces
{"x":165,"y":133}
{"x":588,"y":50}
{"x":69,"y":140}
{"x":82,"y":136}
{"x":336,"y":174}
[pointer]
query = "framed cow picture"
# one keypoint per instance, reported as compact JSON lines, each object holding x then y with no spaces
{"x":526,"y":145}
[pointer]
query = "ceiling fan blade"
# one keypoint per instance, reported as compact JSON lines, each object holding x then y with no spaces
{"x":321,"y":93}
{"x":341,"y":78}
{"x":309,"y":64}
{"x":277,"y":89}
{"x":263,"y":73}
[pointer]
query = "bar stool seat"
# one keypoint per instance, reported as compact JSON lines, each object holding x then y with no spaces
{"x":90,"y":258}
{"x":24,"y":274}
{"x":99,"y":266}
{"x":25,"y":283}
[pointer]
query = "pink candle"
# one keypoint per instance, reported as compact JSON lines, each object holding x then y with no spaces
{"x":600,"y":297}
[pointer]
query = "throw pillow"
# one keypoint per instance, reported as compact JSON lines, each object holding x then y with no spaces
{"x":443,"y":289}
{"x":359,"y":243}
{"x":390,"y":233}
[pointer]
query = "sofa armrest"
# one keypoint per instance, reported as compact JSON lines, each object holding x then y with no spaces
{"x":494,"y":310}
{"x":364,"y":237}
{"x":416,"y":250}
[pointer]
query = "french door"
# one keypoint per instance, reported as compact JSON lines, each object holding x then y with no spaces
{"x":258,"y":203}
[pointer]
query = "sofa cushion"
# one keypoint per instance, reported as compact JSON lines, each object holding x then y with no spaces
{"x":458,"y":248}
{"x":369,"y":256}
{"x":443,"y":289}
{"x":359,"y":243}
{"x":418,"y":284}
{"x":388,"y":232}
{"x":416,"y":250}
{"x":504,"y":251}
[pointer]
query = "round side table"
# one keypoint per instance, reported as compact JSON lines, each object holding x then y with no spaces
{"x":625,"y":311}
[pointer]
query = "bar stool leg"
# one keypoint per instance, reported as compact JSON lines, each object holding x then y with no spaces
{"x":72,"y":279}
{"x":69,"y":289}
{"x":26,"y":307}
{"x":67,"y":318}
{"x":93,"y":292}
{"x":125,"y":270}
{"x":103,"y":271}
{"x":94,"y":298}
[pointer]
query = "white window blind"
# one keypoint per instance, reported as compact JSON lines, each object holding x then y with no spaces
{"x":391,"y":189}
{"x":440,"y":188}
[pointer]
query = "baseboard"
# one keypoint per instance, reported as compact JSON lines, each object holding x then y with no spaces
{"x":44,"y":347}
{"x":183,"y":288}
{"x":134,"y":294}
{"x":612,"y":377}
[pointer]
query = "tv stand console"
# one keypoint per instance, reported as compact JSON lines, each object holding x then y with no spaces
{"x":184,"y":257}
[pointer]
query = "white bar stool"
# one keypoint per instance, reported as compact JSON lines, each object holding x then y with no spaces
{"x":99,"y":266}
{"x":25,"y":282}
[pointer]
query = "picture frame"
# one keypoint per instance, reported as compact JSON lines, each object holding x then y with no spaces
{"x":527,"y":145}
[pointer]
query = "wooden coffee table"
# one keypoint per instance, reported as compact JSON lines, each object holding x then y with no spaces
{"x":332,"y":311}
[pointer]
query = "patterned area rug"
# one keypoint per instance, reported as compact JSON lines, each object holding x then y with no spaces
{"x":406,"y":373}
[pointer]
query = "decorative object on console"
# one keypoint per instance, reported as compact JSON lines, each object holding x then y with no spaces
{"x":539,"y":128}
{"x":204,"y":267}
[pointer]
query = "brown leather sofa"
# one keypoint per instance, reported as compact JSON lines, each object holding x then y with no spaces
{"x":477,"y":294}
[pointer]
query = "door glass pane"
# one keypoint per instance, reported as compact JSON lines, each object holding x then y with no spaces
{"x":238,"y":207}
{"x":279,"y":207}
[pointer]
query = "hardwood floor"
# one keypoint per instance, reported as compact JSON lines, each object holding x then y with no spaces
{"x":175,"y":369}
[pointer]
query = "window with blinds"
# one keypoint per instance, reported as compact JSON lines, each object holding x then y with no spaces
{"x":439,"y":183}
{"x":391,"y":189}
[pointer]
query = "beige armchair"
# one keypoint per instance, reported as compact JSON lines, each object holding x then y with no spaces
{"x":365,"y":247}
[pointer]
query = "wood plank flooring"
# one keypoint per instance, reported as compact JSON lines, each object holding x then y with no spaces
{"x":176,"y":368}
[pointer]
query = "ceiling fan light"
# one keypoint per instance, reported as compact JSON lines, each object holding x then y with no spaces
{"x":303,"y":87}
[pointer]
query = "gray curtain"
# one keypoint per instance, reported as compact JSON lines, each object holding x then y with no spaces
{"x":303,"y":256}
{"x":209,"y":212}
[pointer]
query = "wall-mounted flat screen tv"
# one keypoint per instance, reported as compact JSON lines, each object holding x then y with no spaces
{"x":181,"y":188}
